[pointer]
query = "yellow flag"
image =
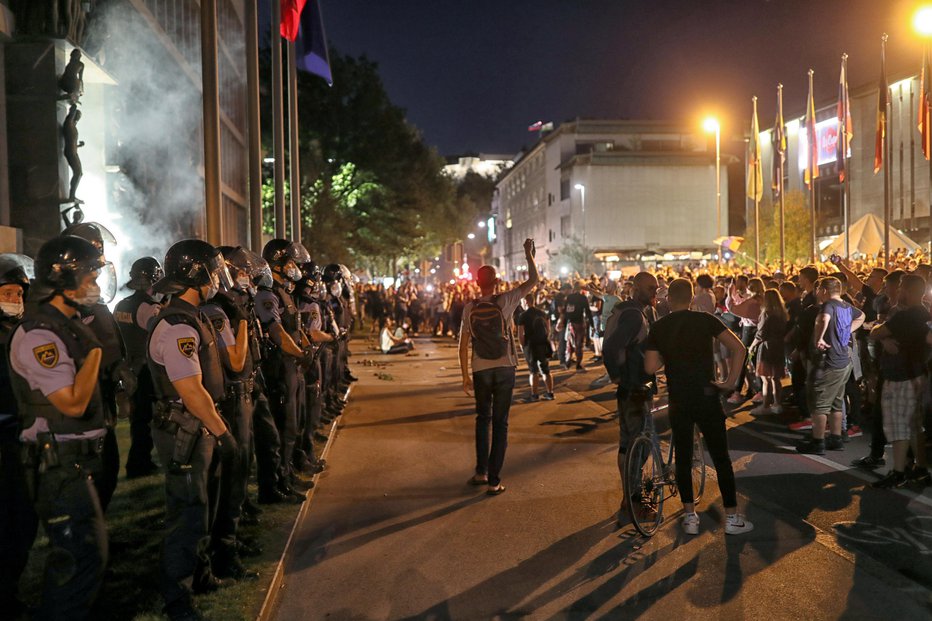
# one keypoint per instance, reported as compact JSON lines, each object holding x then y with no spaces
{"x":755,"y":173}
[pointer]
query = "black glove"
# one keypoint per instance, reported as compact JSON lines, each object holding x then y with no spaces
{"x":227,"y":446}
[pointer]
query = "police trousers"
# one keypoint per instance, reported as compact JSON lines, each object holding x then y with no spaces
{"x":18,"y":521}
{"x":66,"y":502}
{"x":266,"y":443}
{"x":189,"y":510}
{"x":236,"y":409}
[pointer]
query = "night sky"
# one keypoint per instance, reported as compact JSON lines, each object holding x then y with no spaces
{"x":474,"y":74}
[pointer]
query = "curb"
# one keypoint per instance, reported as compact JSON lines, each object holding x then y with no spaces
{"x":267,"y":612}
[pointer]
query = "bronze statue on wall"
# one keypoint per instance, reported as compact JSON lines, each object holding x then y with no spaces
{"x":69,"y":131}
{"x":71,"y":81}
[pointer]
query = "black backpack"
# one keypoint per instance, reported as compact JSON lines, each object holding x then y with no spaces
{"x":488,"y":330}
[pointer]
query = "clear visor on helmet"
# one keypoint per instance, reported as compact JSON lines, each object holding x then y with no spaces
{"x":107,"y":281}
{"x":261,"y":274}
{"x":299,"y":253}
{"x":219,"y":274}
{"x":10,"y":261}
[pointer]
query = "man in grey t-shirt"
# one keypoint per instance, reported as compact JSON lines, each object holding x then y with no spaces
{"x":493,"y":374}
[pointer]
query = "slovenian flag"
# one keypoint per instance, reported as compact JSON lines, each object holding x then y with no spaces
{"x":311,"y":45}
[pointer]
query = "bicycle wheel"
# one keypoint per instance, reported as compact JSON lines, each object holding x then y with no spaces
{"x":698,"y":466}
{"x":644,"y":485}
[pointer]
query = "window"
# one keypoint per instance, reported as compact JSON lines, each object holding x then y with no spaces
{"x":564,"y":189}
{"x":565,"y":229}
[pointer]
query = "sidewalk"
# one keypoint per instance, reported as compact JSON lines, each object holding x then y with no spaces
{"x":394,"y":532}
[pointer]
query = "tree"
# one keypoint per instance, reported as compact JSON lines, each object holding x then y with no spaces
{"x":796,"y":231}
{"x":575,"y":256}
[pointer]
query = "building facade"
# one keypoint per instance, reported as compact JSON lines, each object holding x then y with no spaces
{"x":910,"y":171}
{"x":621,"y":189}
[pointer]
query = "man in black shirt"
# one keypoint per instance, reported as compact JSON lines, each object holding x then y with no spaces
{"x":683,"y":342}
{"x":578,"y":319}
{"x":534,"y":334}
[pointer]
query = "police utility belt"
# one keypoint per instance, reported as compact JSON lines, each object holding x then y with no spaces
{"x":49,"y":452}
{"x":171,"y":418}
{"x":241,"y":388}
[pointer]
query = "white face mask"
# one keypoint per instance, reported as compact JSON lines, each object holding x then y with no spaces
{"x":212,"y":290}
{"x":91,"y":296}
{"x":243,"y":283}
{"x":12,"y":309}
{"x":293,"y":274}
{"x":335,"y":289}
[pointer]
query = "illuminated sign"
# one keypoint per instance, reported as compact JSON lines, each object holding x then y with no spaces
{"x":491,"y":230}
{"x":827,"y":132}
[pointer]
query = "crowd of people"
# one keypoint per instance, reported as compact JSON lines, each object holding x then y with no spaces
{"x":833,"y":350}
{"x":222,"y":359}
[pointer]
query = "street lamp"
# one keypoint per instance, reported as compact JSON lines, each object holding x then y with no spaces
{"x":481,"y":224}
{"x":712,"y":125}
{"x":471,"y":236}
{"x":582,"y":192}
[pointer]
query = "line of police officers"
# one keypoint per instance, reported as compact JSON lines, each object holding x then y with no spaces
{"x":221,"y":357}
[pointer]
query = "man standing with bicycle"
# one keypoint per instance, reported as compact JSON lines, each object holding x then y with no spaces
{"x":488,"y":327}
{"x":683,"y":342}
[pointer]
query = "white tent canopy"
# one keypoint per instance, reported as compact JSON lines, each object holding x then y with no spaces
{"x":867,"y":238}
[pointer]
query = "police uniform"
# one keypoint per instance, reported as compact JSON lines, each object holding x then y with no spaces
{"x":310,"y":313}
{"x":226,"y":311}
{"x":181,"y":344}
{"x":132,"y":315}
{"x":62,"y":458}
{"x":18,"y":521}
{"x":283,"y":385}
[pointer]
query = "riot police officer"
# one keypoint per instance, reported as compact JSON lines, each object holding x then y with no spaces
{"x":308,"y":292}
{"x":117,"y":381}
{"x":132,"y":316}
{"x":54,"y":362}
{"x":229,"y":317}
{"x":280,"y":319}
{"x":340,"y":321}
{"x":18,"y":522}
{"x":187,"y":372}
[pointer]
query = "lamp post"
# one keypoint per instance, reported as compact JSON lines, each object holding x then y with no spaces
{"x":582,"y":192}
{"x":712,"y":125}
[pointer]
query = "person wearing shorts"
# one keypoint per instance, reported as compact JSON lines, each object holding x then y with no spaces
{"x":534,"y":335}
{"x":904,"y":339}
{"x":830,"y":363}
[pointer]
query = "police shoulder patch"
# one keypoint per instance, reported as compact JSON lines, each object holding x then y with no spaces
{"x":46,"y":355}
{"x":269,"y":304}
{"x":186,"y":346}
{"x":217,"y":323}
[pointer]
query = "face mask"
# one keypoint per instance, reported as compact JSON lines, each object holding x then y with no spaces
{"x":12,"y":309}
{"x":243,"y":283}
{"x":212,"y":290}
{"x":91,"y":296}
{"x":293,"y":274}
{"x":335,"y":289}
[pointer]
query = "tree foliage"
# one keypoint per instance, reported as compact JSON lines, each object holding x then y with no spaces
{"x":371,"y":188}
{"x":796,"y":230}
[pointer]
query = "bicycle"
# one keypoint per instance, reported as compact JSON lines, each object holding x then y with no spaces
{"x":649,"y":480}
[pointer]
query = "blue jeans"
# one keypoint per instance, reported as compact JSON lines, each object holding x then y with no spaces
{"x":493,"y":401}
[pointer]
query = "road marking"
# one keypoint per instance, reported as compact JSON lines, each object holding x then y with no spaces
{"x":851,"y":470}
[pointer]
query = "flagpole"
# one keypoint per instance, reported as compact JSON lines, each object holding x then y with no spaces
{"x":886,"y":152}
{"x":781,"y":186}
{"x":293,"y":147}
{"x":254,"y":126}
{"x":812,"y":193}
{"x":845,"y":196}
{"x":278,"y":127}
{"x":756,"y":191}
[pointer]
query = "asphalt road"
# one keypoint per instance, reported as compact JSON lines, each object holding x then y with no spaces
{"x":394,"y":531}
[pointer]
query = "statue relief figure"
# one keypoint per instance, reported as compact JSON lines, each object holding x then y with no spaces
{"x":71,"y":81}
{"x":69,"y":131}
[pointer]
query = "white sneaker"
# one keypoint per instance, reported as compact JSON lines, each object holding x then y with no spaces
{"x":737,"y":525}
{"x":691,"y":523}
{"x":776,"y":409}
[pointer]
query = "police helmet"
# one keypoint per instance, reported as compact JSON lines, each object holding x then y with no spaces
{"x":93,"y":232}
{"x":332,"y":273}
{"x":278,"y":252}
{"x":193,"y":263}
{"x":16,"y":269}
{"x":144,"y":273}
{"x":62,"y":262}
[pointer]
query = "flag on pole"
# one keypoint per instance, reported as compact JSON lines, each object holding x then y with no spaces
{"x":755,"y":173}
{"x":925,"y":101}
{"x":291,"y":18}
{"x":845,"y":127}
{"x":883,"y":99}
{"x":778,"y":147}
{"x":535,"y":127}
{"x":311,"y":54}
{"x":812,"y":140}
